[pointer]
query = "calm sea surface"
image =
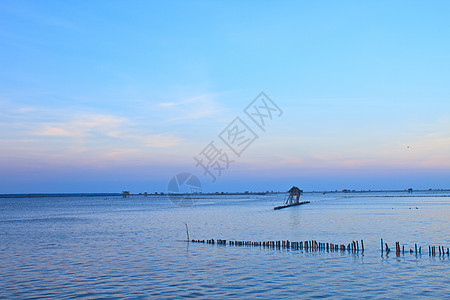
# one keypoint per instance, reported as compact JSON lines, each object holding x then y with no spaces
{"x":92,"y":247}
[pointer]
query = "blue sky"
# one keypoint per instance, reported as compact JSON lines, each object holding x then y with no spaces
{"x":102,"y":96}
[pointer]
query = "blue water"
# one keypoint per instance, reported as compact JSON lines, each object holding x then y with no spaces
{"x":92,"y":247}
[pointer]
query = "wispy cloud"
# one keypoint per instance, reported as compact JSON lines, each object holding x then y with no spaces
{"x":203,"y":106}
{"x":58,"y":135}
{"x":83,"y":125}
{"x":160,"y":141}
{"x":421,"y":145}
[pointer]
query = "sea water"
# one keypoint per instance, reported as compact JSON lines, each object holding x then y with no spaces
{"x":97,"y":247}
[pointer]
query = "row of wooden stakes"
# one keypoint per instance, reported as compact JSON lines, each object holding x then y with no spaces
{"x":417,"y":250}
{"x":312,"y":245}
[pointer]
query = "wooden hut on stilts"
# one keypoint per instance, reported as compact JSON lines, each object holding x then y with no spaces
{"x":293,"y":198}
{"x":294,"y":195}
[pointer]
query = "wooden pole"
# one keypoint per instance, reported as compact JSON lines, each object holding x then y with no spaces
{"x":187,"y":232}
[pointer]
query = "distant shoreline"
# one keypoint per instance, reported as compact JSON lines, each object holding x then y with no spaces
{"x":38,"y":195}
{"x":54,"y":195}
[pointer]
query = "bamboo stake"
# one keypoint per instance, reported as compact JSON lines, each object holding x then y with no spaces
{"x":187,"y":232}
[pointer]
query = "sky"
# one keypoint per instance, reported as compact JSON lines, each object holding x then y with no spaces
{"x":105,"y":96}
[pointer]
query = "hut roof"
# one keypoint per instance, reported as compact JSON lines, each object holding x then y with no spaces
{"x":294,"y":189}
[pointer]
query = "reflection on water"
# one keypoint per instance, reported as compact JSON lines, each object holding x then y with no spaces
{"x":93,"y":247}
